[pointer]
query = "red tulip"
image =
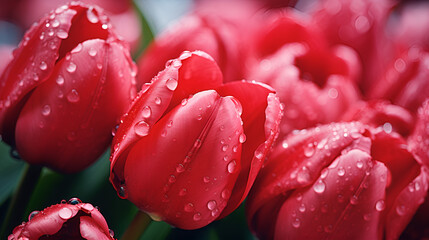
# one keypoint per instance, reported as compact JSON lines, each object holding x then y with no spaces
{"x":121,"y":13}
{"x":360,"y":25}
{"x":337,"y":181}
{"x":214,"y":27}
{"x":5,"y":56}
{"x":313,"y":81}
{"x":67,"y":220}
{"x":189,"y":149}
{"x":69,"y":82}
{"x":419,"y":141}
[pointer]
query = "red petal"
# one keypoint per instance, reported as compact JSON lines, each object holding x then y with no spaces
{"x":73,"y":112}
{"x":183,"y":171}
{"x":261,"y":114}
{"x":419,"y":141}
{"x":192,"y":72}
{"x":90,"y":230}
{"x":337,"y":206}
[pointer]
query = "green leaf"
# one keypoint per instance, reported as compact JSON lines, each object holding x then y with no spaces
{"x":147,"y":33}
{"x":10,"y":171}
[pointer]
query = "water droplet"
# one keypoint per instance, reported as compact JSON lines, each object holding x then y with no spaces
{"x":231,"y":166}
{"x":225,"y":147}
{"x":171,"y":84}
{"x":14,"y":154}
{"x":111,"y":233}
{"x":285,"y":144}
{"x":91,"y":16}
{"x":92,"y":52}
{"x":303,"y":175}
{"x":400,"y":65}
{"x":197,"y":216}
{"x":65,"y":213}
{"x":142,"y":128}
{"x":177,"y":63}
{"x":242,"y":138}
{"x":302,"y":208}
{"x":341,"y":172}
{"x":46,"y":110}
{"x":333,"y":93}
{"x":183,"y":192}
{"x":206,"y":179}
{"x":226,"y":194}
{"x":60,"y":80}
{"x":197,"y":143}
{"x":99,"y":66}
{"x":199,"y":117}
{"x":180,"y":168}
{"x":387,"y":127}
{"x":189,"y":207}
{"x":309,"y":150}
{"x":73,"y":96}
{"x":62,"y":35}
{"x":319,"y":186}
{"x":238,"y":106}
{"x":43,"y":66}
{"x":146,"y":112}
{"x":400,"y":210}
{"x":184,"y":102}
{"x":35,"y":77}
{"x":157,"y":100}
{"x":123,"y":193}
{"x":235,"y":148}
{"x":55,"y":23}
{"x":359,"y":164}
{"x":71,"y":68}
{"x":32,"y":215}
{"x":211,"y":205}
{"x":379,"y":205}
{"x":154,"y":216}
{"x":74,"y":201}
{"x":296,"y":223}
{"x":354,"y":200}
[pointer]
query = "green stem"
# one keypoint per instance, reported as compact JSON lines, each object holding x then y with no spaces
{"x":20,"y":199}
{"x":137,"y":227}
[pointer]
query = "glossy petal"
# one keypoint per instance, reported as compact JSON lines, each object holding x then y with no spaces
{"x":260,"y":131}
{"x":203,"y":136}
{"x":63,"y":111}
{"x":187,"y":75}
{"x":90,"y":230}
{"x":337,"y":206}
{"x":419,"y":141}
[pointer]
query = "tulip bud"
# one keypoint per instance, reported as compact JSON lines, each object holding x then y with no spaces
{"x":67,"y":220}
{"x":337,"y":181}
{"x":189,"y":149}
{"x":69,"y":82}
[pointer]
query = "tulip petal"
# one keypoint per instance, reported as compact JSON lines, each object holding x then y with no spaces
{"x":299,"y":159}
{"x":194,"y":153}
{"x":82,"y":92}
{"x":261,"y":114}
{"x":90,"y":230}
{"x":337,"y":206}
{"x":192,"y":72}
{"x":406,"y":205}
{"x":419,"y":141}
{"x":33,"y":62}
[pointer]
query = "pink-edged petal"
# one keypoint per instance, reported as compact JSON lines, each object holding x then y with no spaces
{"x":419,"y":140}
{"x":188,"y":163}
{"x":50,"y":221}
{"x":33,"y":62}
{"x":192,"y":72}
{"x":90,"y":230}
{"x":380,"y":113}
{"x":298,"y":160}
{"x":406,"y":205}
{"x":261,"y":114}
{"x":337,"y":205}
{"x":76,"y":107}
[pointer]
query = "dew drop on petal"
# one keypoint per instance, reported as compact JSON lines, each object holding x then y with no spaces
{"x":206,"y":179}
{"x":341,"y":171}
{"x":226,"y":194}
{"x":319,"y":186}
{"x":157,"y":100}
{"x":400,"y":210}
{"x":32,"y":215}
{"x":242,"y":138}
{"x":141,"y":128}
{"x":65,"y":213}
{"x":46,"y":110}
{"x":92,"y":52}
{"x":71,"y":68}
{"x":231,"y":166}
{"x":183,"y":192}
{"x":359,"y":164}
{"x":296,"y":223}
{"x":43,"y":66}
{"x":379,"y":205}
{"x":197,"y":216}
{"x":180,"y":168}
{"x":55,"y":23}
{"x":62,"y":35}
{"x":60,"y":80}
{"x":211,"y":205}
{"x":171,"y":84}
{"x":309,"y":150}
{"x":91,"y":16}
{"x":73,"y":96}
{"x":224,"y":148}
{"x":146,"y":112}
{"x":189,"y":207}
